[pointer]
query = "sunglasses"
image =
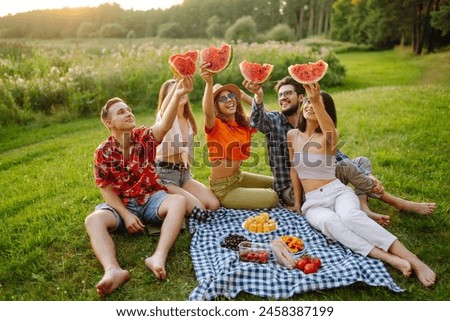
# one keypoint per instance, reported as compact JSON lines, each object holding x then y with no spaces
{"x":224,"y":99}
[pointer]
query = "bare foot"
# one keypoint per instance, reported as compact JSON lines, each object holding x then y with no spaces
{"x":157,"y":266}
{"x":402,"y":265}
{"x":111,"y":280}
{"x":381,"y":219}
{"x":424,"y":273}
{"x":419,"y":208}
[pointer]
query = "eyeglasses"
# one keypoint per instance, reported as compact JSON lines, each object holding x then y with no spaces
{"x":286,"y":94}
{"x":224,"y":99}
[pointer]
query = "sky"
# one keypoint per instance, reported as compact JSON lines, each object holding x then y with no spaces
{"x":16,"y":6}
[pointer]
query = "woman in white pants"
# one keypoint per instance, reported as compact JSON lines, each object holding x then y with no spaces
{"x":330,"y":206}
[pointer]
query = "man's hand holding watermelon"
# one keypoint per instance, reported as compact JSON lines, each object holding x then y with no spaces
{"x":255,"y":89}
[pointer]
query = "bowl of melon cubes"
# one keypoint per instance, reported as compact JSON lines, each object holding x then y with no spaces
{"x":261,"y":223}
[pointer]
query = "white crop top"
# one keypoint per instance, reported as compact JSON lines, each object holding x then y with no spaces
{"x":174,"y":143}
{"x":314,"y":166}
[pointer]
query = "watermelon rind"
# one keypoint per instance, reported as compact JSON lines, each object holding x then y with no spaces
{"x":255,"y":72}
{"x":193,"y":54}
{"x":308,"y":73}
{"x":219,"y":58}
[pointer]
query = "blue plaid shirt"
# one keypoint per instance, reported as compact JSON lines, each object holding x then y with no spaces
{"x":340,"y":156}
{"x":274,"y":125}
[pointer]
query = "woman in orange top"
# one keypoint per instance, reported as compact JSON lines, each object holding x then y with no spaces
{"x":228,"y":134}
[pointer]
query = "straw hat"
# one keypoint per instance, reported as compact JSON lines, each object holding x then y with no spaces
{"x":218,"y":88}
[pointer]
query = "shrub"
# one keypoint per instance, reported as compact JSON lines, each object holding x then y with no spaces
{"x":9,"y":111}
{"x":281,"y":32}
{"x":131,"y":35}
{"x":113,"y":30}
{"x":244,"y":29}
{"x":86,"y":30}
{"x":170,"y":30}
{"x":78,"y":80}
{"x":215,"y":28}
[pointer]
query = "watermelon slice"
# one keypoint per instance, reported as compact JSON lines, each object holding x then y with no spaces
{"x":183,"y":66}
{"x":308,"y":73}
{"x":255,"y":72}
{"x":194,"y":54}
{"x":219,"y":58}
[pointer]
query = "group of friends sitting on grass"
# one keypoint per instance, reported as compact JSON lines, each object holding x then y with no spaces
{"x":145,"y":173}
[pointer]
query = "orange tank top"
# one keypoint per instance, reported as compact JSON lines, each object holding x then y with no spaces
{"x":228,"y":140}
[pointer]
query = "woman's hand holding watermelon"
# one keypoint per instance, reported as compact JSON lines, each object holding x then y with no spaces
{"x":185,"y":85}
{"x":313,"y":90}
{"x":207,"y":74}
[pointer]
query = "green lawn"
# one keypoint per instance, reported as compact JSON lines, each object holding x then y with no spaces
{"x":391,"y":110}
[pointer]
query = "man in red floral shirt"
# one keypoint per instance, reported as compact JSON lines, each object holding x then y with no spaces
{"x":134,"y":196}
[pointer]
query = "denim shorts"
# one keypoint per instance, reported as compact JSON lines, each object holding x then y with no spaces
{"x":148,"y":212}
{"x":175,"y":177}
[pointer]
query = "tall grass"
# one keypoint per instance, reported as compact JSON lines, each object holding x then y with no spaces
{"x":47,"y":191}
{"x":72,"y":79}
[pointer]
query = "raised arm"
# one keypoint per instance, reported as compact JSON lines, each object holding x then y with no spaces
{"x":295,"y":181}
{"x":208,"y":100}
{"x":325,"y":122}
{"x":168,"y":98}
{"x":246,"y":98}
{"x":258,"y":117}
{"x":256,"y":89}
{"x":183,"y":86}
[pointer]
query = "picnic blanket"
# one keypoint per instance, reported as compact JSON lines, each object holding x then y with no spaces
{"x":220,"y":273}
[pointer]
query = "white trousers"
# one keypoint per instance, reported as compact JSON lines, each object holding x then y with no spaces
{"x":334,"y":209}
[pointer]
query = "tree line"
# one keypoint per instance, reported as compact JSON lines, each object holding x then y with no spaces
{"x":380,"y":24}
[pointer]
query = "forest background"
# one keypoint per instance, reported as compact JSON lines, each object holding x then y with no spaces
{"x":380,"y":24}
{"x":57,"y":82}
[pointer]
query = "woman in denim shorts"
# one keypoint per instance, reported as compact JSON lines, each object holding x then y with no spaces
{"x":175,"y":154}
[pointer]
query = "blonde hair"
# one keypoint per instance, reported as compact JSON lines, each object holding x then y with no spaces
{"x":105,"y":109}
{"x":187,"y":110}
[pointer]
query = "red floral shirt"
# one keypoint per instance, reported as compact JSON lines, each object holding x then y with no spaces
{"x":134,"y":177}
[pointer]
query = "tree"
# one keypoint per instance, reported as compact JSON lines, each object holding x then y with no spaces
{"x":341,"y":29}
{"x":294,"y":12}
{"x":440,"y":19}
{"x":382,"y":30}
{"x":266,"y":14}
{"x":408,"y":21}
{"x":424,"y":33}
{"x":327,"y":18}
{"x":360,"y":23}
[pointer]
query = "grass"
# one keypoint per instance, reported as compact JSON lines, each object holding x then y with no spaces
{"x":397,"y":67}
{"x":390,"y":110}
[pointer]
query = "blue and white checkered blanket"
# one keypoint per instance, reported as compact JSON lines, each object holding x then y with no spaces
{"x":220,"y":273}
